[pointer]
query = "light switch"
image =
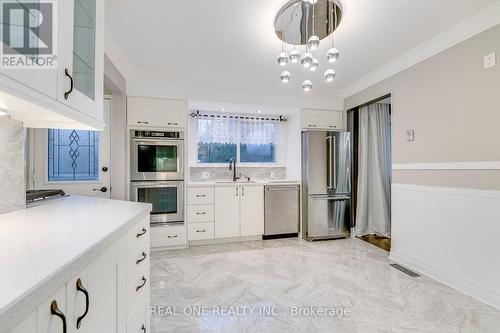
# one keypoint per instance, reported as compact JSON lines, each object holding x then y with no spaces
{"x":410,"y":135}
{"x":490,"y":60}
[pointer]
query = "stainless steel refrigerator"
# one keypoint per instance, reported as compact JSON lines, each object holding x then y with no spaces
{"x":326,"y":185}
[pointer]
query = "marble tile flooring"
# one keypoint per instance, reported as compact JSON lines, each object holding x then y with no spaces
{"x":214,"y":289}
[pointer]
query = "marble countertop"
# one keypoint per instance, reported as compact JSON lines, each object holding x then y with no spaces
{"x":223,"y":182}
{"x":44,"y":246}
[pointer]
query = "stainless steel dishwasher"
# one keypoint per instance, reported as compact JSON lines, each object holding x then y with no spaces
{"x":282,"y":213}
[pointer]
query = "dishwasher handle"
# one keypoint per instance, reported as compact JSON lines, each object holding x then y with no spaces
{"x":282,"y":188}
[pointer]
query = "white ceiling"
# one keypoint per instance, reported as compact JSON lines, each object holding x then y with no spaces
{"x":233,"y":41}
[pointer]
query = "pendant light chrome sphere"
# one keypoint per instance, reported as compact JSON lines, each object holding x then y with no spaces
{"x":330,"y":75}
{"x":307,"y":85}
{"x":332,"y":55}
{"x":313,"y":42}
{"x":285,"y":77}
{"x":314,"y":65}
{"x":282,"y":59}
{"x":294,"y":56}
{"x":307,"y":60}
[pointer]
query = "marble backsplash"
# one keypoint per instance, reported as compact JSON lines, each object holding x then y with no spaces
{"x":218,"y":173}
{"x":12,"y":176}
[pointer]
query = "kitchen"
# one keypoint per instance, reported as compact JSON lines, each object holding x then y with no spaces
{"x":241,"y":176}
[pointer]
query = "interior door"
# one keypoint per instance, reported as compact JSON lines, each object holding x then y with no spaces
{"x":76,"y":161}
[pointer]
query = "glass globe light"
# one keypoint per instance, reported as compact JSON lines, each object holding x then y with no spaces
{"x":314,"y":65}
{"x":282,"y":59}
{"x":330,"y":75}
{"x":294,"y":56}
{"x":285,"y":77}
{"x":313,"y":42}
{"x":332,"y":55}
{"x":307,"y":60}
{"x":307,"y":85}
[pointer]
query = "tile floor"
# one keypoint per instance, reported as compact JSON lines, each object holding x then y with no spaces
{"x":343,"y":277}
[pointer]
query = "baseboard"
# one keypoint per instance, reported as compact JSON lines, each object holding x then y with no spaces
{"x":485,"y":295}
{"x":224,"y":240}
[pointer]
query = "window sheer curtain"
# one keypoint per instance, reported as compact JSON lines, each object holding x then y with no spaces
{"x":374,"y":171}
{"x":233,"y":131}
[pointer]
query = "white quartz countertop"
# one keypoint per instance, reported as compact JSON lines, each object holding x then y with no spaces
{"x":44,"y":246}
{"x":223,"y":182}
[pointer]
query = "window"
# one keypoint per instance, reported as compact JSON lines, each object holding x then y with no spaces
{"x":73,"y":155}
{"x":246,"y":141}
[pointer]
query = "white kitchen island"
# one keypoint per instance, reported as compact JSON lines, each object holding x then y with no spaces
{"x":75,"y":260}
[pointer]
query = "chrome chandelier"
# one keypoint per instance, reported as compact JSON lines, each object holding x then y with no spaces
{"x":305,"y":23}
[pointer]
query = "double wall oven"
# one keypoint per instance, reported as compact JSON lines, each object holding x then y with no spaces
{"x":157,"y":173}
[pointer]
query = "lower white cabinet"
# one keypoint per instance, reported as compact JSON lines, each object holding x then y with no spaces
{"x":201,"y":231}
{"x":99,"y":298}
{"x":227,"y":212}
{"x":168,"y":236}
{"x":252,"y":211}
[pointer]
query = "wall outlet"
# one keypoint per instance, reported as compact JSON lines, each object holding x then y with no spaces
{"x":490,"y":60}
{"x":410,"y":135}
{"x":273,"y":174}
{"x":205,"y":175}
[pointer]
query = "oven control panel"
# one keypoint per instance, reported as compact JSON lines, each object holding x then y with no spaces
{"x":157,"y":134}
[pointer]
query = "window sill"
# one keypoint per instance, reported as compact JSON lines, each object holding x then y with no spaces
{"x":238,"y":165}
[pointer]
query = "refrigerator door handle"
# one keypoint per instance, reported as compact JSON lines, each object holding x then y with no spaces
{"x":329,"y":184}
{"x":334,"y":163}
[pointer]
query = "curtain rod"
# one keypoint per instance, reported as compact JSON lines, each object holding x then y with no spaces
{"x":197,"y":114}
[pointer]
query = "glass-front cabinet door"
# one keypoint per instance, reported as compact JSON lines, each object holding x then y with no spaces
{"x":81,"y":67}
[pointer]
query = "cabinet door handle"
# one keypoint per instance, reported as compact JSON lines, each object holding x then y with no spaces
{"x":204,"y":230}
{"x":143,"y":328}
{"x":143,"y":231}
{"x":143,"y":122}
{"x":144,"y":255}
{"x":175,"y":124}
{"x":201,"y":213}
{"x":55,"y":311}
{"x":200,"y":195}
{"x":172,"y":236}
{"x":242,"y":191}
{"x":236,"y":191}
{"x":80,"y":288}
{"x":313,"y":125}
{"x":66,"y":94}
{"x":142,"y":285}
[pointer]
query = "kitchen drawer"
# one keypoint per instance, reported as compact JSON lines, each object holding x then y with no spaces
{"x":200,"y":213}
{"x":166,"y":236}
{"x":200,"y":231}
{"x":136,"y":288}
{"x":200,"y":196}
{"x":138,"y":237}
{"x":136,"y":264}
{"x":136,"y":322}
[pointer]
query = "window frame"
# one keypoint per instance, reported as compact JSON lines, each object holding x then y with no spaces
{"x":193,"y":149}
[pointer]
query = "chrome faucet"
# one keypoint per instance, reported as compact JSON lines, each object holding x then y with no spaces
{"x":232,"y":166}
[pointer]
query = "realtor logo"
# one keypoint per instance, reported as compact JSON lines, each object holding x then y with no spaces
{"x":29,"y":34}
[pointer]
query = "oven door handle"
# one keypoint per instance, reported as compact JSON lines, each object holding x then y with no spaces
{"x":136,"y":185}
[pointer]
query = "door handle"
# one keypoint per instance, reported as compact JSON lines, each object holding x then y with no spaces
{"x":55,"y":311}
{"x":81,"y":289}
{"x":66,"y":94}
{"x":144,"y":255}
{"x":143,"y":328}
{"x":103,"y":189}
{"x":142,"y":285}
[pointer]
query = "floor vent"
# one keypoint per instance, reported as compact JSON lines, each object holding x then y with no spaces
{"x":404,"y":270}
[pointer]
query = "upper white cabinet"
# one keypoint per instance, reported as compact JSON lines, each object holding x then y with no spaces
{"x":322,"y":119}
{"x":156,"y":112}
{"x":70,"y":95}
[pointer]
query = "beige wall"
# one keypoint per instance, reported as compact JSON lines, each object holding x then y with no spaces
{"x":453,"y":104}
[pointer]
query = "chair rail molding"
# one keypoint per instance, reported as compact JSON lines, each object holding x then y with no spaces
{"x":479,"y":165}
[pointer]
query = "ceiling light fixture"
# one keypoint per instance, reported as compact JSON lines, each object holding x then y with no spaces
{"x":314,"y":65}
{"x":285,"y":77}
{"x":307,"y":85}
{"x":330,"y":75}
{"x":283,"y":59}
{"x":313,"y":41}
{"x":307,"y":60}
{"x":294,"y":56}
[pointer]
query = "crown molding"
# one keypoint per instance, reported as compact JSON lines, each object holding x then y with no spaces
{"x":115,"y":54}
{"x":478,"y":23}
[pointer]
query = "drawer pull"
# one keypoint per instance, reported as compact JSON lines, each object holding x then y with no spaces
{"x":201,"y":213}
{"x":143,"y":231}
{"x":81,"y":289}
{"x":144,"y":255}
{"x":204,"y":230}
{"x":174,"y":124}
{"x":172,"y":236}
{"x":142,"y":285}
{"x":55,"y":311}
{"x":200,"y":195}
{"x":143,"y":328}
{"x":143,"y":122}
